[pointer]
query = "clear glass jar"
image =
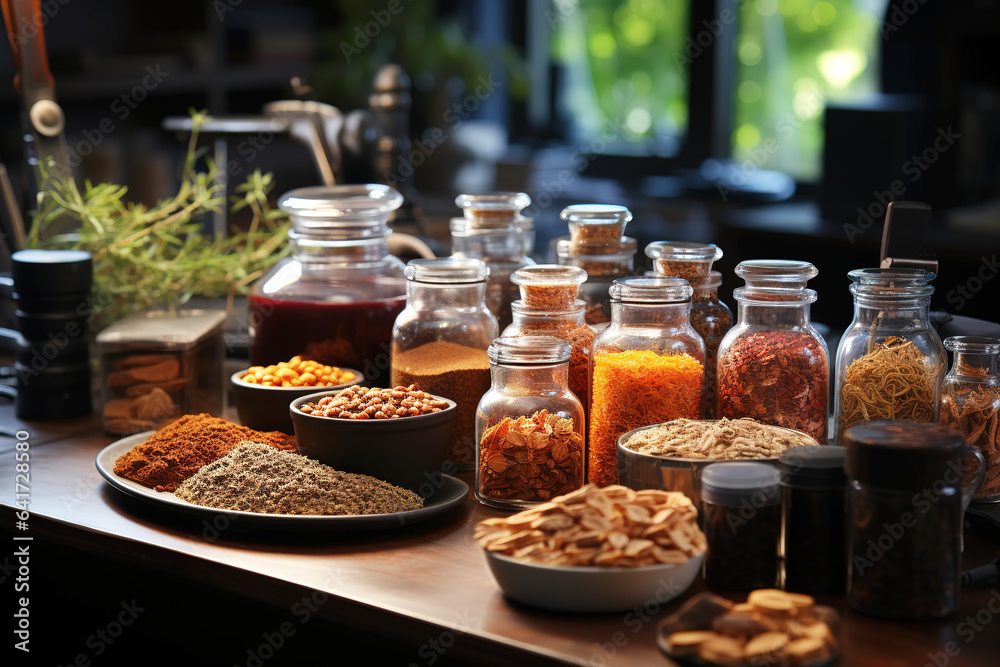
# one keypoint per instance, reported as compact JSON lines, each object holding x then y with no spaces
{"x":439,"y":342}
{"x":494,"y":231}
{"x":890,"y":361}
{"x":648,"y":367}
{"x":549,"y":307}
{"x":710,"y":317}
{"x":529,"y":425}
{"x":908,"y":486}
{"x":773,"y":365}
{"x":970,"y":403}
{"x":741,"y":516}
{"x":336,"y":298}
{"x":596,"y":244}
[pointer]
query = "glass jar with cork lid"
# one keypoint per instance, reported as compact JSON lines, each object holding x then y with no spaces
{"x":549,"y":306}
{"x":529,"y":425}
{"x":710,"y":317}
{"x":439,"y":342}
{"x":890,"y":362}
{"x":596,"y":244}
{"x":494,"y":230}
{"x":335,"y":299}
{"x":773,"y":365}
{"x":647,"y":367}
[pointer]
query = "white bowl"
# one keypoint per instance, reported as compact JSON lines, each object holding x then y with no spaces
{"x":591,"y":589}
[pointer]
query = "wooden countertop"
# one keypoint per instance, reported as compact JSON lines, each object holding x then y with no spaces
{"x":409,"y":584}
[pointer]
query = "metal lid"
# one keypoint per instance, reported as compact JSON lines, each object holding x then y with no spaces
{"x":903,"y":455}
{"x":735,"y":483}
{"x":650,"y":289}
{"x":529,"y":350}
{"x":813,"y":466}
{"x":447,"y":271}
{"x":163,"y":330}
{"x":51,"y":272}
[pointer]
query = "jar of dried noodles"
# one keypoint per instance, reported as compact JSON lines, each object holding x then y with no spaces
{"x":494,"y":230}
{"x":529,"y":425}
{"x":773,"y":365}
{"x":970,"y":403}
{"x":890,"y":361}
{"x":647,"y":367}
{"x":549,"y":306}
{"x":596,"y":244}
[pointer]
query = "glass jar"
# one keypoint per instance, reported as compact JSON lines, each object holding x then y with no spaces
{"x":648,"y":367}
{"x":812,"y":548}
{"x":741,"y":517}
{"x":773,"y":365}
{"x":596,"y":244}
{"x":890,"y":361}
{"x":905,"y":503}
{"x":494,"y":231}
{"x":709,"y":316}
{"x":529,"y":425}
{"x":549,"y":306}
{"x":439,"y":342}
{"x":970,"y":403}
{"x":336,"y":298}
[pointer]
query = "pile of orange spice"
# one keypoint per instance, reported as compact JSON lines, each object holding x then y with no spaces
{"x":637,"y":388}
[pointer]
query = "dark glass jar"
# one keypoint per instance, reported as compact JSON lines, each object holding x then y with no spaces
{"x":741,"y":517}
{"x":908,"y":487}
{"x":336,"y":298}
{"x":812,"y":548}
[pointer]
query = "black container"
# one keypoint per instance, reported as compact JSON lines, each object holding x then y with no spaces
{"x":908,"y":486}
{"x":741,"y":513}
{"x":813,"y":555}
{"x":54,"y":308}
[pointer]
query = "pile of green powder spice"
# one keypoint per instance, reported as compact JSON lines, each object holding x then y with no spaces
{"x":259,"y":478}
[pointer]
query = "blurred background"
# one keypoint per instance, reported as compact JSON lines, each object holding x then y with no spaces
{"x":774,"y":128}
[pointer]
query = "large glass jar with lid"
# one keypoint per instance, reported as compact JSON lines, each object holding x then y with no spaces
{"x":596,"y":244}
{"x":647,"y":367}
{"x":494,"y":230}
{"x":336,"y":297}
{"x":529,"y":425}
{"x":773,"y":365}
{"x":970,"y":403}
{"x":439,"y":342}
{"x":890,"y":361}
{"x":710,"y":317}
{"x":549,"y":306}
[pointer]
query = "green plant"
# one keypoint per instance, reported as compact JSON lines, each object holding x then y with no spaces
{"x":158,"y":255}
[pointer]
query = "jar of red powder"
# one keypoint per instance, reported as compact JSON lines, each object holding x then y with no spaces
{"x":773,"y":365}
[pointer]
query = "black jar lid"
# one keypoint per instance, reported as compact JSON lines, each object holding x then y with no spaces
{"x":43,"y":272}
{"x":813,"y":466}
{"x":903,"y":455}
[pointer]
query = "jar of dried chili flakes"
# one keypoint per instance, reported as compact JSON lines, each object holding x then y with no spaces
{"x":596,"y":244}
{"x":494,"y":230}
{"x":710,"y":317}
{"x":529,"y":425}
{"x":549,"y":306}
{"x":773,"y":365}
{"x":647,"y":367}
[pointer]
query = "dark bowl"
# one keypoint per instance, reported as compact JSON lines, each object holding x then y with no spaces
{"x":266,"y":408}
{"x":407,"y":452}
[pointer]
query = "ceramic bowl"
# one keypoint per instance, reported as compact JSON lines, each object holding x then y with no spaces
{"x":407,"y":452}
{"x":671,"y":473}
{"x":266,"y":408}
{"x":591,"y":589}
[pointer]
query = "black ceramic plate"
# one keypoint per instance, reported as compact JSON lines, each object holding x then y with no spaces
{"x":450,"y":495}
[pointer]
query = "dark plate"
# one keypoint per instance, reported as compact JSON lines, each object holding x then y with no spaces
{"x":450,"y":495}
